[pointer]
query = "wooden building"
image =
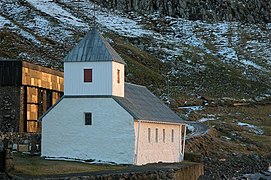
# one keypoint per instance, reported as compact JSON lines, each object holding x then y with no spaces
{"x":26,"y":91}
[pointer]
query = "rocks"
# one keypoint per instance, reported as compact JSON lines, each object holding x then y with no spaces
{"x":248,"y":11}
{"x":9,"y":108}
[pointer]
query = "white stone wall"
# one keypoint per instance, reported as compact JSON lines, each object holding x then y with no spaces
{"x":109,"y":138}
{"x":101,"y":78}
{"x":152,"y":152}
{"x":118,"y":88}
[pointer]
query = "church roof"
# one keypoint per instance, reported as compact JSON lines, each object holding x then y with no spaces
{"x":92,"y":48}
{"x":144,"y":105}
{"x":139,"y":102}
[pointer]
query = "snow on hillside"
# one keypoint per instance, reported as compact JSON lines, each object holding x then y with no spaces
{"x":245,"y":46}
{"x":52,"y":9}
{"x":6,"y":23}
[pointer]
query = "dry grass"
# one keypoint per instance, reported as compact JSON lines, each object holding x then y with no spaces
{"x":36,"y":166}
{"x":242,"y":139}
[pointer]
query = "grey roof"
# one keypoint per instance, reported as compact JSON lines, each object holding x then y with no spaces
{"x":143,"y":105}
{"x":139,"y":102}
{"x":93,"y":47}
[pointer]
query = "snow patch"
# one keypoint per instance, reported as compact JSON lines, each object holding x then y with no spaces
{"x":122,"y":25}
{"x":52,"y":9}
{"x":206,"y":119}
{"x":250,"y":63}
{"x":3,"y":22}
{"x":252,"y":128}
{"x":91,"y":161}
{"x":193,"y":108}
{"x":190,"y":109}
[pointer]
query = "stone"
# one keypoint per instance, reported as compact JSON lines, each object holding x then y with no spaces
{"x":23,"y":148}
{"x":14,"y":147}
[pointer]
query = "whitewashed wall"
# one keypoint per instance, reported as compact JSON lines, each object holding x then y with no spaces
{"x":118,"y":88}
{"x":151,"y":152}
{"x":101,"y":78}
{"x":110,"y":138}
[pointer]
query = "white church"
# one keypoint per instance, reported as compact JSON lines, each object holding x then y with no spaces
{"x":100,"y":117}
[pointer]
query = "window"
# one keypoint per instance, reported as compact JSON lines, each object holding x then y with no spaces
{"x":88,"y":119}
{"x":118,"y":75}
{"x":164,"y":135}
{"x":156,"y":135}
{"x":172,"y":135}
{"x":87,"y":75}
{"x":149,"y":135}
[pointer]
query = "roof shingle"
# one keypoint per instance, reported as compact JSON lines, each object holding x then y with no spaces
{"x":143,"y":105}
{"x":92,"y":48}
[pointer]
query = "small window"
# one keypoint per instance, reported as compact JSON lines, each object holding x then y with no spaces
{"x":164,"y":135}
{"x":149,"y":135}
{"x":118,"y":75}
{"x":88,"y":118}
{"x":156,"y":135}
{"x":87,"y":75}
{"x":172,"y":135}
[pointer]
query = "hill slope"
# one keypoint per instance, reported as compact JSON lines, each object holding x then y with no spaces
{"x":194,"y":57}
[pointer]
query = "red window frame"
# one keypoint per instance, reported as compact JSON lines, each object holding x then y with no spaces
{"x":118,"y":75}
{"x":87,"y":75}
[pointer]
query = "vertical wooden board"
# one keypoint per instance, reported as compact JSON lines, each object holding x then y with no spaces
{"x":32,"y":126}
{"x":32,"y":95}
{"x":54,"y":86}
{"x":44,"y":104}
{"x":32,"y":82}
{"x":34,"y":112}
{"x":39,"y":83}
{"x":54,"y":79}
{"x":35,"y":95}
{"x":28,"y":111}
{"x":23,"y":75}
{"x":56,"y":96}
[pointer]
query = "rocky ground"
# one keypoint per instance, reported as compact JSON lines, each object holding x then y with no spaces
{"x":251,"y":11}
{"x":222,"y":164}
{"x":231,"y":152}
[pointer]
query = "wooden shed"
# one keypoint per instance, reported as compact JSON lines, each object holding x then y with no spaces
{"x":26,"y":91}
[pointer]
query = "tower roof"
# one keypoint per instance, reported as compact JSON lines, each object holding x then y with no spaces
{"x":93,"y":48}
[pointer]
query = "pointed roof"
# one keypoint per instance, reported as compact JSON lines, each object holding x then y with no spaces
{"x":93,"y":48}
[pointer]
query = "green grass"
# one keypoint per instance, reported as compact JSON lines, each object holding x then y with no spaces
{"x":36,"y":166}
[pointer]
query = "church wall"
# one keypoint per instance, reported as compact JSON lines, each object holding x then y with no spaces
{"x":149,"y":150}
{"x":118,"y":87}
{"x":101,"y":78}
{"x":110,"y":137}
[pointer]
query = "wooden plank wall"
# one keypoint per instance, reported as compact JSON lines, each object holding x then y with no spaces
{"x":32,"y":109}
{"x":40,"y":81}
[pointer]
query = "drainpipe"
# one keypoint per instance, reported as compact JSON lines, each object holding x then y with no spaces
{"x":180,"y":145}
{"x":137,"y":143}
{"x":184,"y":139}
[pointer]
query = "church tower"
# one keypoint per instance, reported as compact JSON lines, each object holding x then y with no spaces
{"x":93,"y":68}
